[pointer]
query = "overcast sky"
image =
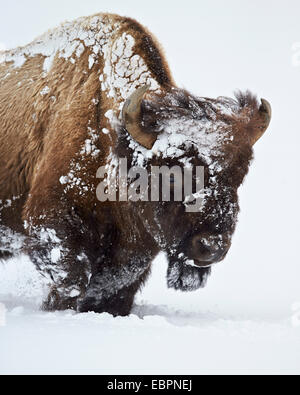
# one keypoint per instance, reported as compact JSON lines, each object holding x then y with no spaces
{"x":214,"y":48}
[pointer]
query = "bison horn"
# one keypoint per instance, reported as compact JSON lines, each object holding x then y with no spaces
{"x":265,"y":112}
{"x":131,"y":115}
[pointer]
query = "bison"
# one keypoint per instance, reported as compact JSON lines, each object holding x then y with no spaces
{"x":79,"y":98}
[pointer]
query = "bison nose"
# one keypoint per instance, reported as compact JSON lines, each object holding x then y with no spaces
{"x":207,"y":249}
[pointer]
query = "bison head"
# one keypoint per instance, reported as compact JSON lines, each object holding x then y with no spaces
{"x":176,"y":128}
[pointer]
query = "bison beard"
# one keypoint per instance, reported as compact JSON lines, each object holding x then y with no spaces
{"x":83,"y":96}
{"x":186,"y":278}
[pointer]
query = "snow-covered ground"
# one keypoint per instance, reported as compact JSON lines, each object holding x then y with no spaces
{"x":167,"y":333}
{"x":247,"y":319}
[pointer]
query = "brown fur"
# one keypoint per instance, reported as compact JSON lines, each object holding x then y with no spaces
{"x":40,"y":136}
{"x":42,"y":143}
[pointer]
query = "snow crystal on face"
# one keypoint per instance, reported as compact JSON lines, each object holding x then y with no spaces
{"x":74,"y":293}
{"x":81,"y":257}
{"x":178,"y":135}
{"x":226,"y":105}
{"x":206,"y":137}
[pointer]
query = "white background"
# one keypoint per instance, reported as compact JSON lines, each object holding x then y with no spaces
{"x":213,"y":49}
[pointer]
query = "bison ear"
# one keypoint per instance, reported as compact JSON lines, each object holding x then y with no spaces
{"x":265,"y":114}
{"x":131,"y":116}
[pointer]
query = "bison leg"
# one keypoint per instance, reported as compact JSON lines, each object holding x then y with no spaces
{"x":67,"y":271}
{"x":62,"y":250}
{"x":113,"y":289}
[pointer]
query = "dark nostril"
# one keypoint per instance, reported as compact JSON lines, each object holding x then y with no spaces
{"x":202,"y":249}
{"x":206,"y":250}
